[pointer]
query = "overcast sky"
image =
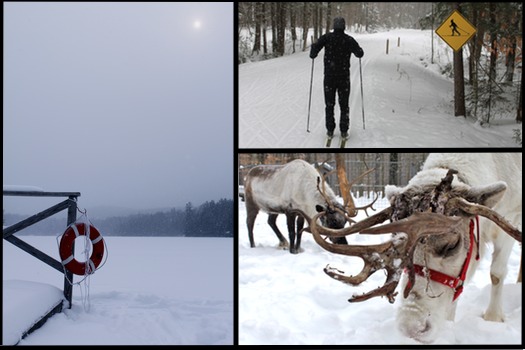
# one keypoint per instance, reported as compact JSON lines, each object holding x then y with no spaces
{"x":129,"y":103}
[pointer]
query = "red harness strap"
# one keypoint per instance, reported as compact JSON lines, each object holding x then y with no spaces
{"x":455,"y":283}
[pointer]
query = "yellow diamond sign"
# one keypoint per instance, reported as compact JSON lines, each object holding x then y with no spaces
{"x":456,"y":30}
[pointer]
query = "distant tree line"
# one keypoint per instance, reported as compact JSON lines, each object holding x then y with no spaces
{"x":290,"y":21}
{"x":211,"y":219}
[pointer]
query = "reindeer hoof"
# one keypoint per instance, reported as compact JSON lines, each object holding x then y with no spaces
{"x":493,"y":317}
{"x":283,"y":246}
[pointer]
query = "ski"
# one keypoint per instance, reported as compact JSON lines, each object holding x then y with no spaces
{"x":328,"y":141}
{"x":343,"y":141}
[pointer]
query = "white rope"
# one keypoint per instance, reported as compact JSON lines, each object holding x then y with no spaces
{"x":86,"y":304}
{"x":87,"y":269}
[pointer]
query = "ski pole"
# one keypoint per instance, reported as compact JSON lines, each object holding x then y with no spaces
{"x":362,"y":100}
{"x":464,"y":31}
{"x":310,"y":99}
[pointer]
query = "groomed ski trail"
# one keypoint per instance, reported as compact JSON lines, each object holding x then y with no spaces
{"x":406,"y":101}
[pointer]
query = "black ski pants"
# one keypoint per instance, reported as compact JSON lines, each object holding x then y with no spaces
{"x":341,"y":86}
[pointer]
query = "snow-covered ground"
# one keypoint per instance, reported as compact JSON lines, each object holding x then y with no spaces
{"x":407,"y":101}
{"x":150,"y":291}
{"x":287,"y":299}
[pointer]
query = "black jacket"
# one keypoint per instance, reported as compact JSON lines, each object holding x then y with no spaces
{"x":338,"y":49}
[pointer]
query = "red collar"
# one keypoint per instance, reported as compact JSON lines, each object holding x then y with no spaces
{"x":455,"y":283}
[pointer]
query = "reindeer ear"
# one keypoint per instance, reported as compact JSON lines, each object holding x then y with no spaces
{"x":488,"y":195}
{"x":319,"y":208}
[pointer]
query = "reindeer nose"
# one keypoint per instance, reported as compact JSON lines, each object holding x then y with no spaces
{"x":417,"y":328}
{"x":414,"y":320}
{"x":427,"y":327}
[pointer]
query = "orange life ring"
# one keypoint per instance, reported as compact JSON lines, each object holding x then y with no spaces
{"x":67,"y":253}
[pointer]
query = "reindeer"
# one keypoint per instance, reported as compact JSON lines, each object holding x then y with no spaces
{"x":440,"y":224}
{"x":279,"y":189}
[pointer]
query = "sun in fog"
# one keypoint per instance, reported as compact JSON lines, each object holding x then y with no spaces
{"x":197,"y":24}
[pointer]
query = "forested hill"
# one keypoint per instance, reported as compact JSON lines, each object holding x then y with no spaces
{"x":211,"y":219}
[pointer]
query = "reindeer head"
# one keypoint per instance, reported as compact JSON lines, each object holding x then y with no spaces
{"x":440,"y":262}
{"x":429,"y":222}
{"x":334,"y":215}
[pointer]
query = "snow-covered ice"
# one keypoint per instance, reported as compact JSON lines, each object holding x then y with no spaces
{"x":150,"y":291}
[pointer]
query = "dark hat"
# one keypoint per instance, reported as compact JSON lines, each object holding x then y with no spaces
{"x":339,"y":23}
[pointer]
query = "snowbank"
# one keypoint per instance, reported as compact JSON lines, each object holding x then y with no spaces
{"x":26,"y":303}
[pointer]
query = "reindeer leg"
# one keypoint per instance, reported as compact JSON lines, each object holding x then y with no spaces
{"x":498,"y":270}
{"x":290,"y":222}
{"x":519,"y":273}
{"x":300,"y":225}
{"x":272,"y":218}
{"x":250,"y":221}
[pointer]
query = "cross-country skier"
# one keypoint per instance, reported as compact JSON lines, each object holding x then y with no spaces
{"x":338,"y":49}
{"x":454,"y":27}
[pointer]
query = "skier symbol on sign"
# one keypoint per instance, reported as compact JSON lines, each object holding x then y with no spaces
{"x":456,"y":30}
{"x":454,"y":27}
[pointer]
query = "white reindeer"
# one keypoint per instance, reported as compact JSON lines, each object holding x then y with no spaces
{"x":436,"y":219}
{"x":282,"y":189}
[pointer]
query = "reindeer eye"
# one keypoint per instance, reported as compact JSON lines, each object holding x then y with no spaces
{"x":448,"y":249}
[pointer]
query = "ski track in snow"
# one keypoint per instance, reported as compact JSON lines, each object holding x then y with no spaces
{"x":407,"y":102}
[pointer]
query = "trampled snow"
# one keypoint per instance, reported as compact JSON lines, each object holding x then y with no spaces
{"x":150,"y":291}
{"x":408,"y":102}
{"x":287,"y":299}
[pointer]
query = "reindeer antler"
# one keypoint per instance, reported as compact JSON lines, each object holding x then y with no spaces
{"x":346,"y":187}
{"x":397,"y":254}
{"x":440,"y":195}
{"x":369,"y":205}
{"x":323,"y":191}
{"x":477,"y":209}
{"x":392,"y":256}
